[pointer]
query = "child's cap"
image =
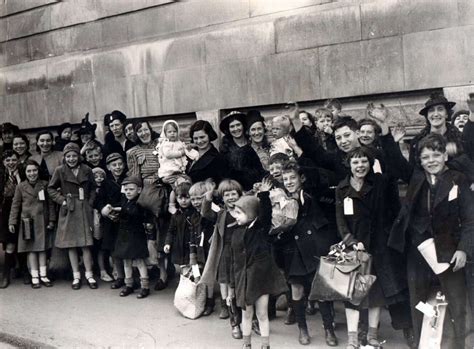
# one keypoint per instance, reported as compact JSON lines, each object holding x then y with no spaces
{"x":113,"y":157}
{"x":458,"y":114}
{"x":132,"y":180}
{"x":63,"y":126}
{"x":96,"y":170}
{"x":249,"y":204}
{"x":71,"y":147}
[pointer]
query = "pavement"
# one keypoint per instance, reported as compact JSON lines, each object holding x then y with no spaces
{"x":63,"y":318}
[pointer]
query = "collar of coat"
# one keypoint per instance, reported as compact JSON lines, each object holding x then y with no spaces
{"x":205,"y":159}
{"x":82,"y":175}
{"x":34,"y":189}
{"x":349,"y":191}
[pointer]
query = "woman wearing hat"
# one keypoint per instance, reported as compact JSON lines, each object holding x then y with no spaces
{"x":258,"y":139}
{"x":48,"y":158}
{"x":210,"y":163}
{"x":242,"y":161}
{"x":72,"y":187}
{"x":115,"y":139}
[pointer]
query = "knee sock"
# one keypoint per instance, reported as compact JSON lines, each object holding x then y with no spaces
{"x":300,"y":313}
{"x":145,"y":282}
{"x":129,"y":282}
{"x":247,"y":340}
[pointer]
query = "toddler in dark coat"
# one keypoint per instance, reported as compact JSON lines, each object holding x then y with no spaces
{"x":131,"y":244}
{"x":255,"y":275}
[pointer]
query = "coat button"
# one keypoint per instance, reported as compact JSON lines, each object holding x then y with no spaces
{"x":309,"y":232}
{"x":296,"y":237}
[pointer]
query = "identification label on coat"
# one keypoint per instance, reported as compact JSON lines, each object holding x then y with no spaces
{"x":348,"y":206}
{"x":41,"y":196}
{"x":196,"y":272}
{"x":81,"y":194}
{"x":201,"y":243}
{"x":453,"y":193}
{"x":215,"y":208}
{"x":376,"y":167}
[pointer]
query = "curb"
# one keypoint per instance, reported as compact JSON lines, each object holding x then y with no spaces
{"x":21,"y":342}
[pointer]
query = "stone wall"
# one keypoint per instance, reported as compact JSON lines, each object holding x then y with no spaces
{"x":61,"y":59}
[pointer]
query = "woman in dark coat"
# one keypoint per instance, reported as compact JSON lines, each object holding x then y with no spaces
{"x":210,"y":163}
{"x":363,"y":218}
{"x":242,"y":161}
{"x":255,"y":274}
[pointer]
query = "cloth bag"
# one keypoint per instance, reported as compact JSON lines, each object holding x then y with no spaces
{"x":343,"y":276}
{"x":154,"y":198}
{"x":190,"y":296}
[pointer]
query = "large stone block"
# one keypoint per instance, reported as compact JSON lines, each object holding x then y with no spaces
{"x":153,"y":22}
{"x":17,"y":51}
{"x":72,"y":12}
{"x":459,"y":94}
{"x":26,"y":78}
{"x":466,"y":12}
{"x":83,"y":102}
{"x":381,"y":18}
{"x":27,"y":110}
{"x":113,"y":94}
{"x":438,"y":58}
{"x":3,"y":54}
{"x":423,"y":15}
{"x":108,"y":8}
{"x":240,"y":42}
{"x":341,"y":70}
{"x":263,"y":7}
{"x":41,"y":46}
{"x":184,"y":52}
{"x":59,"y":105}
{"x":60,"y":73}
{"x":27,"y":23}
{"x":155,"y":93}
{"x":118,"y":64}
{"x":14,"y":6}
{"x":3,"y":29}
{"x":115,"y":30}
{"x":197,"y":14}
{"x":316,"y":29}
{"x":83,"y":70}
{"x":383,"y":63}
{"x":86,"y":36}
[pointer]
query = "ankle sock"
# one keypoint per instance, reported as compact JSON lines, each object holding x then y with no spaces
{"x":34,"y":277}
{"x":145,"y":282}
{"x":247,"y":340}
{"x":372,"y":334}
{"x":42,"y":271}
{"x":76,"y":275}
{"x":89,"y":274}
{"x":129,"y":282}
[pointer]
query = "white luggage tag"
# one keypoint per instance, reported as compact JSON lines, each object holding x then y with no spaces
{"x":81,"y":194}
{"x":215,"y":207}
{"x":426,"y":309}
{"x":453,"y":193}
{"x":193,"y":154}
{"x":201,"y":243}
{"x":376,"y":167}
{"x":41,"y":196}
{"x":348,"y":206}
{"x":196,"y":272}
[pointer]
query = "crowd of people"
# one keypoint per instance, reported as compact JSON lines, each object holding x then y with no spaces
{"x":255,"y":215}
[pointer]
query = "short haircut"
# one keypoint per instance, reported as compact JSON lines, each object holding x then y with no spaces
{"x":199,"y":189}
{"x":280,"y":158}
{"x":24,"y":138}
{"x":346,"y":121}
{"x":9,"y":153}
{"x":360,"y":152}
{"x":323,"y":113}
{"x":432,"y":141}
{"x":292,"y":166}
{"x":202,"y":125}
{"x":94,"y":145}
{"x":31,"y":162}
{"x":282,"y":120}
{"x":363,"y":122}
{"x":333,"y":102}
{"x":182,"y":189}
{"x":39,"y":134}
{"x":229,"y":185}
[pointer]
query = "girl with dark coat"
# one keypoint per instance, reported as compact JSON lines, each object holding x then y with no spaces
{"x":242,"y":161}
{"x":210,"y":163}
{"x":33,"y":215}
{"x":255,"y":274}
{"x":72,"y":187}
{"x":363,"y":220}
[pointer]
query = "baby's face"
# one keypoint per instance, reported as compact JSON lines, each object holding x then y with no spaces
{"x":171,"y":133}
{"x":99,"y":178}
{"x":279,"y":130}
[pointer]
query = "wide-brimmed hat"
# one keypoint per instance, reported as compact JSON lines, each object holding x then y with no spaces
{"x":232,"y":116}
{"x":436,"y":99}
{"x":254,"y":116}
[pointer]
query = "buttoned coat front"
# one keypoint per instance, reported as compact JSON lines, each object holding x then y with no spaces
{"x":26,"y":204}
{"x":75,"y":219}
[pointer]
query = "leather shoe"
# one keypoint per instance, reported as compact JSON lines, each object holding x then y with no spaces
{"x":209,"y":307}
{"x":35,"y":284}
{"x":409,"y":338}
{"x":161,"y":285}
{"x":46,"y":282}
{"x":224,"y":314}
{"x":126,"y":291}
{"x":236,"y":332}
{"x":304,"y":336}
{"x":92,"y":283}
{"x":119,"y":283}
{"x":290,"y":317}
{"x":76,"y":284}
{"x":331,"y":339}
{"x":144,"y":292}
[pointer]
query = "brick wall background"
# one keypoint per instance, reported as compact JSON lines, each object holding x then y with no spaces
{"x":61,"y":59}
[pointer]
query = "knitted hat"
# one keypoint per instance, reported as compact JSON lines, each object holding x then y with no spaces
{"x":71,"y":147}
{"x":98,"y":170}
{"x":133,"y":180}
{"x":459,"y":113}
{"x":113,"y":157}
{"x":115,"y":115}
{"x":166,"y":123}
{"x":250,"y":205}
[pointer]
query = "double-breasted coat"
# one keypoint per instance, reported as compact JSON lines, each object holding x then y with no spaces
{"x":253,"y":267}
{"x":75,"y":219}
{"x":370,"y":224}
{"x":131,"y":242}
{"x":32,"y":201}
{"x":48,"y":163}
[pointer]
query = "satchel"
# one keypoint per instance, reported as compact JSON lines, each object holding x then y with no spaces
{"x":190,"y":296}
{"x":28,"y":229}
{"x":154,"y":198}
{"x":343,"y":276}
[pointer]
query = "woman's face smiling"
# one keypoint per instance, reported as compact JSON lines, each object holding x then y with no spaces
{"x":19,"y":145}
{"x":144,"y":133}
{"x":257,"y":132}
{"x":32,"y":173}
{"x":236,"y":129}
{"x":45,"y":143}
{"x":201,"y":139}
{"x":437,"y":115}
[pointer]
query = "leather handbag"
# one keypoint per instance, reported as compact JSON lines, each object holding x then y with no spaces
{"x":343,"y":276}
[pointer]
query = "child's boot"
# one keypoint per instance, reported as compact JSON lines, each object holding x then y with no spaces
{"x":145,"y":288}
{"x":90,"y":280}
{"x":209,"y":307}
{"x":128,"y":289}
{"x":7,"y":265}
{"x":224,"y":314}
{"x":119,"y":283}
{"x":290,"y":313}
{"x":300,"y":314}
